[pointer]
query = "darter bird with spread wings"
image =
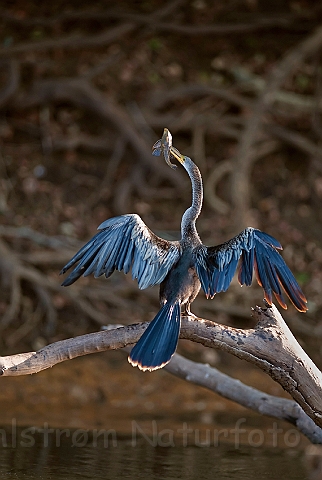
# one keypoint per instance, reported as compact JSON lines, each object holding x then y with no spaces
{"x":182,"y":267}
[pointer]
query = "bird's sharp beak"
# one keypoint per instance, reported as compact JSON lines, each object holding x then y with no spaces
{"x":177,"y":155}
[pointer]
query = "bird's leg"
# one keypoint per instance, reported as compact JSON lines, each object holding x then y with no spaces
{"x":186,"y":312}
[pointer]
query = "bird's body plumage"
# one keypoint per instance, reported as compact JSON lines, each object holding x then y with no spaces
{"x":181,"y":268}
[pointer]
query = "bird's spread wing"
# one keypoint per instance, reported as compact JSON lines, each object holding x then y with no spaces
{"x":123,"y":243}
{"x":257,"y":251}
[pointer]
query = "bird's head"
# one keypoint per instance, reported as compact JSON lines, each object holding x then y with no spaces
{"x":164,"y":146}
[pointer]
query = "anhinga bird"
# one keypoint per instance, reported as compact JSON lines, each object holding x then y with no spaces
{"x":181,"y":267}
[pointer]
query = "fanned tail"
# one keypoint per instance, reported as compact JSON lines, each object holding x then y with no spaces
{"x":159,"y":341}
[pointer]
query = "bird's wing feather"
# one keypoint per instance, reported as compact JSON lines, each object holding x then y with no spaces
{"x":254,"y":251}
{"x":123,"y":243}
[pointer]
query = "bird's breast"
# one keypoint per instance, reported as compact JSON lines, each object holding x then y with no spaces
{"x":181,"y":283}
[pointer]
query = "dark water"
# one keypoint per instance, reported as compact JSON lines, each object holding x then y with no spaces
{"x":42,"y":455}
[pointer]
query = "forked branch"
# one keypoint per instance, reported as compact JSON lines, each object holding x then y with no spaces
{"x":270,"y":345}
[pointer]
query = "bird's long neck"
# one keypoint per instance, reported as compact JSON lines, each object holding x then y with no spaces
{"x":188,"y":222}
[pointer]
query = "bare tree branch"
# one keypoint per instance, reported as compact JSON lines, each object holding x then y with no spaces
{"x":249,"y":397}
{"x":270,"y":346}
{"x":132,"y":21}
{"x":101,"y":39}
{"x":12,"y":83}
{"x":13,"y":270}
{"x":82,"y":94}
{"x":243,"y":160}
{"x":296,"y":140}
{"x":88,"y":15}
{"x":71,"y":41}
{"x":161,"y":98}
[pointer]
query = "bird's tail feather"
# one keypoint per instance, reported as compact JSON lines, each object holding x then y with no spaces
{"x":159,"y":341}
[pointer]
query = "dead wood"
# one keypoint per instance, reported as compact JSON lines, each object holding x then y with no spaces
{"x":235,"y":390}
{"x":270,"y":346}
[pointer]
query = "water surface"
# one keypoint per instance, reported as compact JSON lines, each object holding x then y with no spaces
{"x":44,"y":458}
